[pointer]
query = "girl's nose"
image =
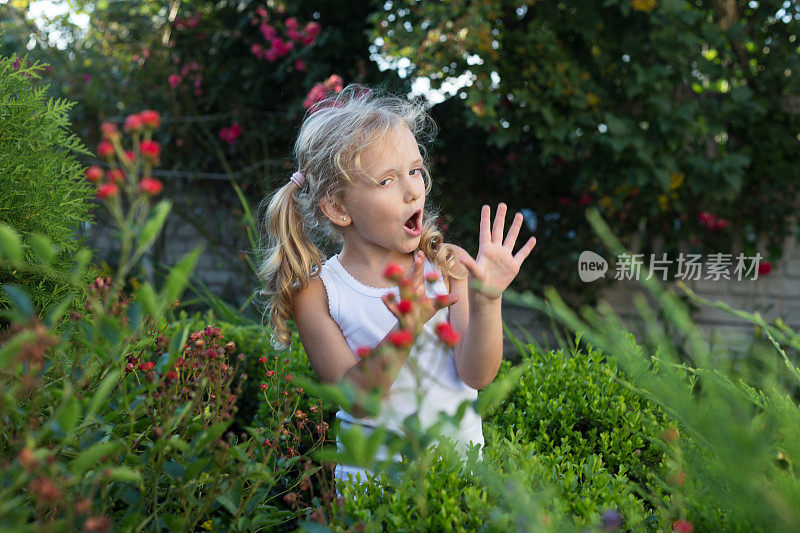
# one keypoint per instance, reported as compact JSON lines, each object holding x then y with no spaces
{"x":414,"y":189}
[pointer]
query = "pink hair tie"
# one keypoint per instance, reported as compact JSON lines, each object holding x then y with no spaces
{"x":298,"y":178}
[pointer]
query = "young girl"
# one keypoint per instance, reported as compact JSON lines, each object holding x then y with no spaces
{"x":362,"y":182}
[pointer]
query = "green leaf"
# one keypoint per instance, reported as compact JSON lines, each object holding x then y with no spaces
{"x":43,"y":247}
{"x":10,"y":245}
{"x":22,"y":307}
{"x":92,"y":456}
{"x":490,"y":397}
{"x":153,"y":226}
{"x":121,"y":473}
{"x":178,"y":276}
{"x":57,"y":309}
{"x":69,"y":414}
{"x":81,"y":260}
{"x":102,"y":391}
{"x":226,"y":500}
{"x":147,"y":297}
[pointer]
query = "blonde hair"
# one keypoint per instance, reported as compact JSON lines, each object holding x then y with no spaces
{"x":331,"y":139}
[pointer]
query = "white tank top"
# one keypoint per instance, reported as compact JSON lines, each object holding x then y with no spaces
{"x":429,"y":371}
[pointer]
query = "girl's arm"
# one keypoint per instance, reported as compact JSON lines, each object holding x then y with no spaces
{"x":477,"y":316}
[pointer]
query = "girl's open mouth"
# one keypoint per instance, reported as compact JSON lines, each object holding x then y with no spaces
{"x":414,"y":224}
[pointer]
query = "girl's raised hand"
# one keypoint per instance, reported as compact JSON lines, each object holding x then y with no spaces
{"x":412,"y":307}
{"x":496,"y":266}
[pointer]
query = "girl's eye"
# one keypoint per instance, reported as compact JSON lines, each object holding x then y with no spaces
{"x":417,"y":170}
{"x":384,"y":181}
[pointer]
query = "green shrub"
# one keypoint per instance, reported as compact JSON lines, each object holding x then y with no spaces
{"x":44,"y":190}
{"x":575,"y":415}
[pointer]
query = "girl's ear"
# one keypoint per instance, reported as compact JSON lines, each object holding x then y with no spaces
{"x":334,"y":212}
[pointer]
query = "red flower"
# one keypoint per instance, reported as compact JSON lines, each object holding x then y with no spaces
{"x":262,"y":360}
{"x":94,"y":173}
{"x":151,"y":150}
{"x":299,"y":65}
{"x":174,"y":80}
{"x":393,"y":272}
{"x":133,"y":124}
{"x":105,"y":149}
{"x":764,"y":268}
{"x":270,"y":373}
{"x":288,"y":377}
{"x":263,"y":386}
{"x":150,"y":186}
{"x":447,"y":334}
{"x":266,"y":442}
{"x":107,"y":190}
{"x":401,"y":338}
{"x":431,"y":277}
{"x":151,"y":119}
{"x":291,"y":23}
{"x":442,"y":300}
{"x":146,"y":367}
{"x":230,"y":134}
{"x":682,"y":526}
{"x":171,"y":375}
{"x":404,"y":306}
{"x":363,"y":351}
{"x":115,"y":175}
{"x":109,"y":130}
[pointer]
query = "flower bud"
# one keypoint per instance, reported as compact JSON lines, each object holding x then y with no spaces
{"x":393,"y":272}
{"x":94,"y":173}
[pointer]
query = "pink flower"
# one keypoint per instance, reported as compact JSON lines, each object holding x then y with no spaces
{"x":261,"y":12}
{"x":174,"y":80}
{"x":150,"y":186}
{"x":107,"y":190}
{"x":292,"y":24}
{"x":255,"y":49}
{"x":312,"y":29}
{"x":87,"y":78}
{"x":267,"y":31}
{"x":230,"y":134}
{"x":682,"y":526}
{"x":299,"y":65}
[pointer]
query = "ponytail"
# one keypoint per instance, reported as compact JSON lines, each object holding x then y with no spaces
{"x":290,"y":258}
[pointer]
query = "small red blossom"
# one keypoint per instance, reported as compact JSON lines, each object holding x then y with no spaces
{"x":151,"y":150}
{"x":262,"y":360}
{"x":263,"y":386}
{"x":130,"y":157}
{"x":174,"y":80}
{"x":151,"y":119}
{"x":107,"y":190}
{"x":401,"y":339}
{"x":133,"y":124}
{"x":105,"y":149}
{"x":231,"y":133}
{"x":404,"y":306}
{"x":393,"y":272}
{"x":431,"y":277}
{"x":289,"y":377}
{"x":363,"y":351}
{"x":94,"y":173}
{"x":764,"y":268}
{"x":147,"y":367}
{"x":150,"y":186}
{"x":109,"y":130}
{"x":270,"y":373}
{"x":682,"y":526}
{"x":265,"y":443}
{"x":115,"y":175}
{"x":447,"y":334}
{"x":171,"y":375}
{"x":442,"y":300}
{"x":299,"y":65}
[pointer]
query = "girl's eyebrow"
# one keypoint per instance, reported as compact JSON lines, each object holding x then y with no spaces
{"x":389,"y":170}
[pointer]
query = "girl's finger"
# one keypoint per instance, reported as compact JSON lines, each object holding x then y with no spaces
{"x":525,"y":250}
{"x":390,"y":305}
{"x":470,"y":263}
{"x":513,"y":232}
{"x":499,"y":223}
{"x":418,"y":267}
{"x":484,"y":235}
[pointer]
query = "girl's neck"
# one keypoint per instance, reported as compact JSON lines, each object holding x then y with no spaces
{"x":369,"y":270}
